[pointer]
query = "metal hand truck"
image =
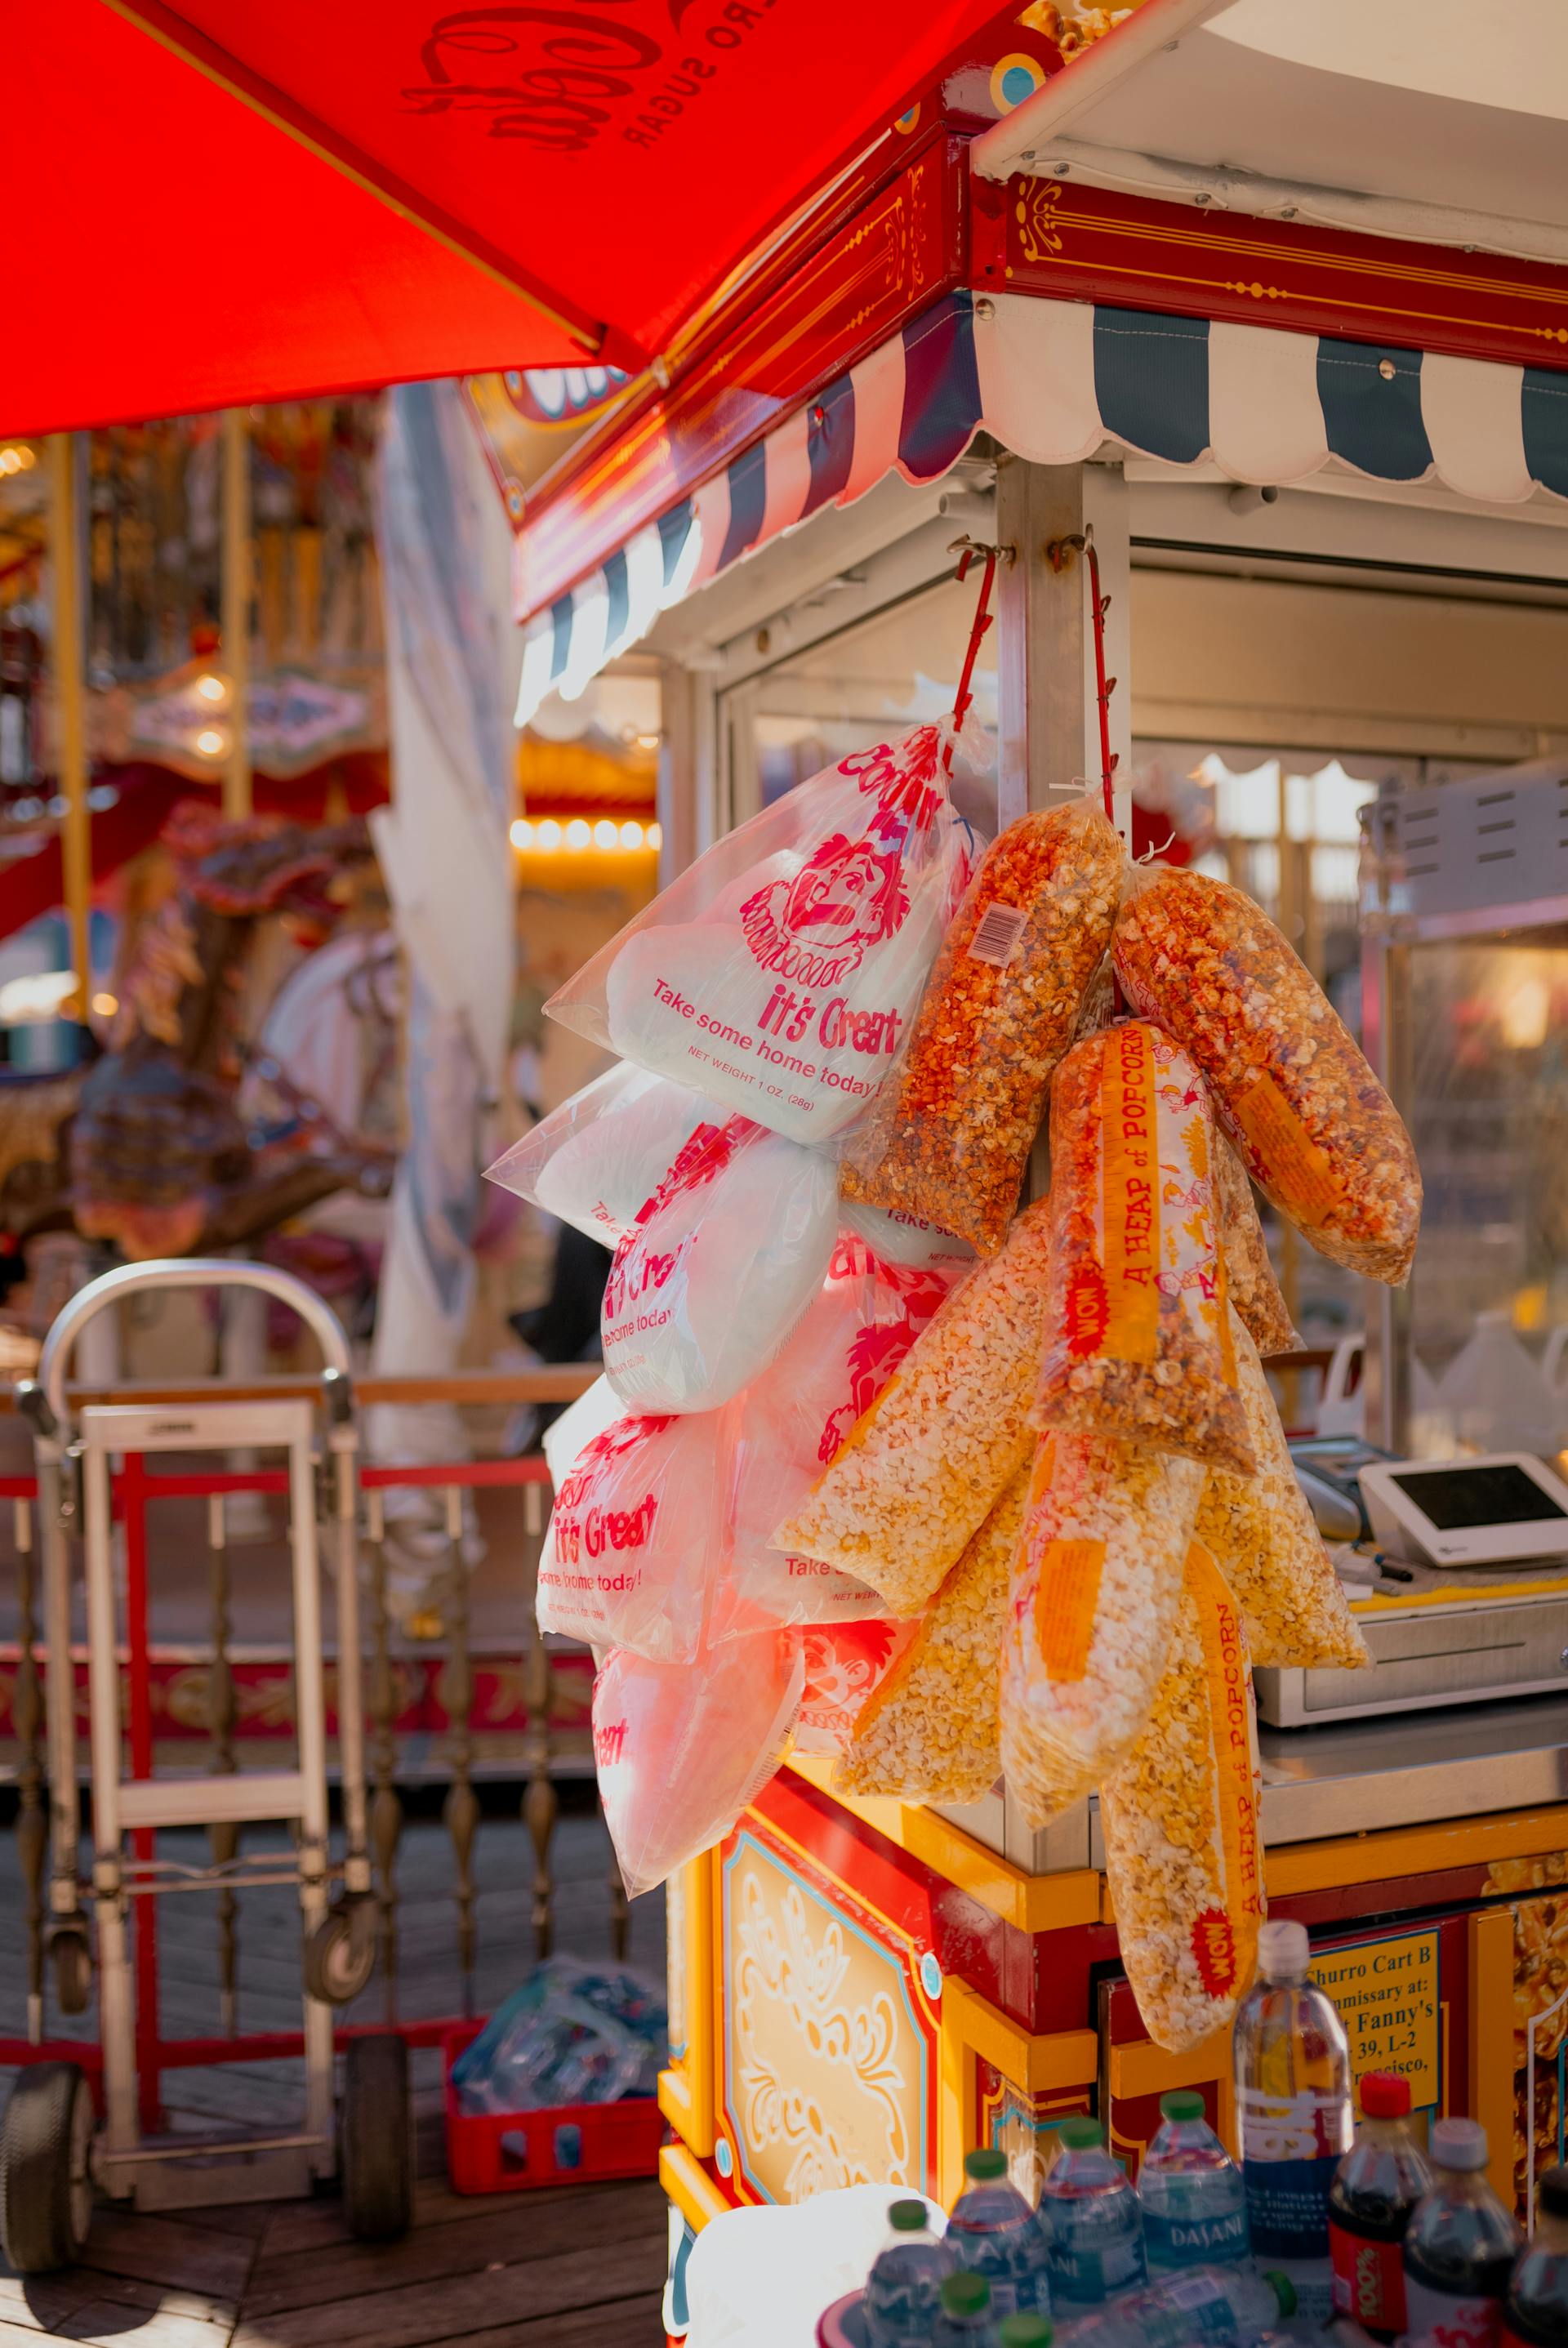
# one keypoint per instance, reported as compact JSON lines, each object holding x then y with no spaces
{"x":52,"y":2150}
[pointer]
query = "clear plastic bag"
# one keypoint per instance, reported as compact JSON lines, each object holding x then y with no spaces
{"x":594,"y":1161}
{"x":923,"y":1469}
{"x":1261,"y":1531}
{"x":949,"y":1137}
{"x":633,"y":1549}
{"x":721,"y":1262}
{"x":790,"y":1422}
{"x":681,"y":1748}
{"x":1316,"y":1129}
{"x":1249,"y":1274}
{"x":779,"y":973}
{"x":1183,"y":1861}
{"x":1095,"y":1583}
{"x":1139,"y":1348}
{"x":842,"y":1664}
{"x":898,"y":1238}
{"x":929,"y":1732}
{"x":572,"y":2033}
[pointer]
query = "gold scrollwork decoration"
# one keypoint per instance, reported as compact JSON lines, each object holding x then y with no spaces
{"x":1039,"y":223}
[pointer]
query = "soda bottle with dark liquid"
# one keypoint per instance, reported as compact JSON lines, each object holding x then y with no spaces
{"x":1459,"y":2246}
{"x":1375,"y":2190}
{"x":1536,"y":2315}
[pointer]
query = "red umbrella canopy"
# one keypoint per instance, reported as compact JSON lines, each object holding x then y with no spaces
{"x":260,"y":200}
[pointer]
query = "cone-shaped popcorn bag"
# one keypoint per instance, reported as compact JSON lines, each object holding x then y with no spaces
{"x":779,"y":975}
{"x":635,"y":1545}
{"x":681,"y":1748}
{"x":595,"y":1160}
{"x":1096,"y":1582}
{"x":929,"y":1731}
{"x":1316,"y":1129}
{"x":1183,"y":1861}
{"x":1138,"y":1344}
{"x":790,"y":1422}
{"x":721,"y":1262}
{"x":1249,"y":1276}
{"x":843,"y":1663}
{"x":949,"y":1135}
{"x":1261,"y":1531}
{"x":923,"y":1467}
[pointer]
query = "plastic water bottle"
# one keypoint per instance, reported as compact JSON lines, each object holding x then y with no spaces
{"x":1203,"y":2304}
{"x":1370,"y":2205}
{"x":994,"y":2232}
{"x":1093,"y":2224}
{"x":1459,"y":2246}
{"x":1536,"y":2315}
{"x":1292,"y":2093}
{"x":965,"y":2319}
{"x":1026,"y":2332}
{"x":1194,"y":2203}
{"x":902,"y":2296}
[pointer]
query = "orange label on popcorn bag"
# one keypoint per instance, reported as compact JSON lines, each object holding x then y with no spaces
{"x":1129,"y":1194}
{"x":1224,"y":1937}
{"x":1286,"y":1153}
{"x":1066,"y":1603}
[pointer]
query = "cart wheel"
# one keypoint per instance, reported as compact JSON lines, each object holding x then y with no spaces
{"x":338,"y":1960}
{"x":376,"y":2138}
{"x":46,"y":2184}
{"x":73,"y":1963}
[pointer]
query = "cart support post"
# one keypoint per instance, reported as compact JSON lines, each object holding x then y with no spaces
{"x":236,"y":607}
{"x":69,"y":650}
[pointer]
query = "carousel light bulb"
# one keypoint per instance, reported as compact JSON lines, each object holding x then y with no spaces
{"x":522,"y":833}
{"x":656,"y":838}
{"x":211,"y":742}
{"x":578,"y":833}
{"x":604,"y":833}
{"x":210,"y":689}
{"x":106,"y":1006}
{"x":549,"y":836}
{"x":631,"y":835}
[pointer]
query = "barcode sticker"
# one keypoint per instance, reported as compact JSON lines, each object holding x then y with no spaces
{"x":997,"y":934}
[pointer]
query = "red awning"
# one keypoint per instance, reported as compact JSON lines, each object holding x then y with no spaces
{"x":255,"y":199}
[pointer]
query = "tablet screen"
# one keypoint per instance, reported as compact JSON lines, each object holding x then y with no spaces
{"x":1458,"y":1499}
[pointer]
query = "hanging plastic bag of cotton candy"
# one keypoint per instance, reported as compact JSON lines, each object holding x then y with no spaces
{"x":792,"y":1422}
{"x":714,"y":1273}
{"x":594,"y":1161}
{"x":780,"y":974}
{"x":843,"y":1664}
{"x":681,"y":1749}
{"x":635,"y":1547}
{"x":1095,"y":1583}
{"x":1180,"y":1817}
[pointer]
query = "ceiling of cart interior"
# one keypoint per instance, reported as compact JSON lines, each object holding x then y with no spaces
{"x":1431,"y":118}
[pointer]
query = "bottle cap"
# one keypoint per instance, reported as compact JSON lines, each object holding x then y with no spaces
{"x":1182,"y":2104}
{"x":1081,"y":2135}
{"x":1283,"y":2289}
{"x":1026,"y":2332}
{"x":1384,"y":2095}
{"x":965,"y":2294}
{"x":1553,"y":2191}
{"x":985,"y":2162}
{"x":907,"y":2217}
{"x":1458,"y":2144}
{"x":1283,"y":1949}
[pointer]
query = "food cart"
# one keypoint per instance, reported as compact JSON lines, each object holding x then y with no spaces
{"x":1318,"y":434}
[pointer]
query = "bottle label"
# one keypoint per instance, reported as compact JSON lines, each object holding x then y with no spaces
{"x":1440,"y":2320}
{"x":1088,"y":2277}
{"x":1368,"y":2280}
{"x":1177,"y":2242}
{"x":1291,"y":2146}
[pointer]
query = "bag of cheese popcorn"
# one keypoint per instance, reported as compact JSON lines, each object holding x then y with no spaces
{"x":929,"y":1732}
{"x":1249,"y":1276}
{"x":1139,"y":1346}
{"x":790,"y":1422}
{"x":680,"y":1749}
{"x":779,"y":973}
{"x":842,"y":1664}
{"x":1095,"y":1583}
{"x":595,"y":1159}
{"x":1261,"y":1531}
{"x":922,"y":1468}
{"x":719,"y":1265}
{"x":1316,"y":1129}
{"x":1180,"y":1817}
{"x":950,"y":1136}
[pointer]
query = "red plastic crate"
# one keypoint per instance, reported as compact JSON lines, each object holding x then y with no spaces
{"x":561,"y":2143}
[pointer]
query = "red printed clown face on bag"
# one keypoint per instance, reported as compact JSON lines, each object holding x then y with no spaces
{"x":780,"y":974}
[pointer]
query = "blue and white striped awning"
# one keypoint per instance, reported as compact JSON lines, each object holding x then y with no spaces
{"x":1056,"y":382}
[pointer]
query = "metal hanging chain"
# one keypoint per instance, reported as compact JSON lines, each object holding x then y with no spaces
{"x":967,"y":549}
